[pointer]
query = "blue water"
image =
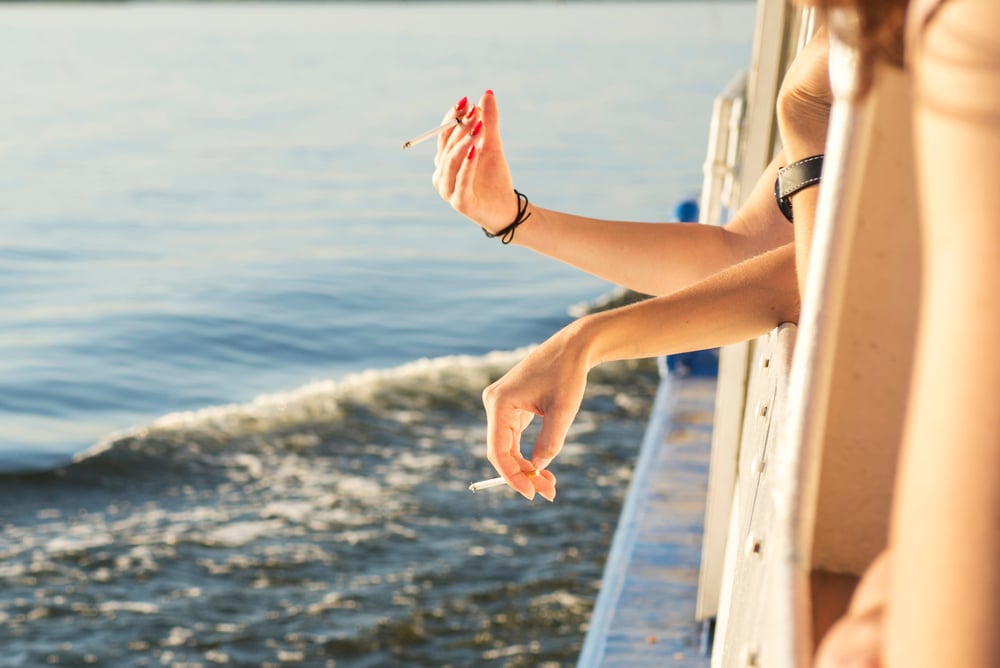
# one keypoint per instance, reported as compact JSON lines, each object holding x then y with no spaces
{"x":244,"y":313}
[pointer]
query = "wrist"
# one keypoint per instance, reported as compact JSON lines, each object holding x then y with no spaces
{"x":506,"y":234}
{"x":802,"y":130}
{"x":801,"y":142}
{"x":795,"y":177}
{"x":800,"y":150}
{"x":582,"y":339}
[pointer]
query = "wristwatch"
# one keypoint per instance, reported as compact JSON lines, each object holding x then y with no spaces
{"x":793,"y":178}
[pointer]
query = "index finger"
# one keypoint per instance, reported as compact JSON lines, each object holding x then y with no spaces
{"x":453,"y":114}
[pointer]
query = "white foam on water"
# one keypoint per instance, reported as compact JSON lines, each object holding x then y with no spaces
{"x":324,"y":400}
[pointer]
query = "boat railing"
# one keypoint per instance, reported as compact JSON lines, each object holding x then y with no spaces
{"x":820,"y":430}
{"x":804,"y":445}
{"x":719,"y":181}
{"x":781,"y":31}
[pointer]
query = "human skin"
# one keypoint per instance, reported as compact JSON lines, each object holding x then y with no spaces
{"x":933,"y":597}
{"x":650,"y":258}
{"x":855,"y":640}
{"x":732,"y":305}
{"x":944,"y":585}
{"x":708,"y":303}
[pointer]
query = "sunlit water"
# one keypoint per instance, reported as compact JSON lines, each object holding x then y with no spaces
{"x":224,"y":283}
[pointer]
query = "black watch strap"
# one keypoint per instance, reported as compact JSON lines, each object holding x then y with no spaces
{"x":793,"y":178}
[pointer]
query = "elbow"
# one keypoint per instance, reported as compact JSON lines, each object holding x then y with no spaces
{"x":788,"y":298}
{"x":788,"y":311}
{"x":782,"y":295}
{"x":777,"y":307}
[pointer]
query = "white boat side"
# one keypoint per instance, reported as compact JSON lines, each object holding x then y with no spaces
{"x":804,"y":446}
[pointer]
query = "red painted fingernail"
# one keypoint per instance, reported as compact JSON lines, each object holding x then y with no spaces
{"x":460,"y":105}
{"x":476,"y":128}
{"x":489,"y":91}
{"x":472,"y":110}
{"x":472,"y":152}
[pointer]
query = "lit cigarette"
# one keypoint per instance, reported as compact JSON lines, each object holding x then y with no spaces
{"x":430,"y":133}
{"x":496,"y":482}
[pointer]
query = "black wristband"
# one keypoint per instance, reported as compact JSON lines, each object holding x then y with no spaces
{"x":507,"y":234}
{"x":793,"y":178}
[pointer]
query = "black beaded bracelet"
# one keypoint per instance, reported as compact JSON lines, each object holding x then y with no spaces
{"x":507,"y":234}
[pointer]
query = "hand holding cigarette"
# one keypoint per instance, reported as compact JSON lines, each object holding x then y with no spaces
{"x":470,"y":169}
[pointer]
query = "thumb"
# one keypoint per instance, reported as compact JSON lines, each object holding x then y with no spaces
{"x":551,"y":437}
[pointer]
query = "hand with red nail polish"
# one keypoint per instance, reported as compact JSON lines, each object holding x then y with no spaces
{"x":471,"y":172}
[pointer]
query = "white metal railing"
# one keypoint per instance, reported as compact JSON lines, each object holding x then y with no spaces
{"x":821,"y":430}
{"x":781,"y":30}
{"x":718,"y":184}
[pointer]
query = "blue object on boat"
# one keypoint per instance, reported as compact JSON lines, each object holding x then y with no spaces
{"x":694,"y":363}
{"x":686,"y":211}
{"x":698,"y":362}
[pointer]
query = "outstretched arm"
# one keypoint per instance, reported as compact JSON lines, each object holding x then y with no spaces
{"x":738,"y":303}
{"x":472,"y":174}
{"x":660,"y":258}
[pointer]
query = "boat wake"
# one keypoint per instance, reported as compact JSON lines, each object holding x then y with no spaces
{"x":329,"y":522}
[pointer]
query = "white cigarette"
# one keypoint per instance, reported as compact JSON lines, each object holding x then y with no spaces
{"x":496,"y":482}
{"x":486,"y":484}
{"x":433,"y":132}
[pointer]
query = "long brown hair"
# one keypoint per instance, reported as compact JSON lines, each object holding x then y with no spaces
{"x":873,"y":27}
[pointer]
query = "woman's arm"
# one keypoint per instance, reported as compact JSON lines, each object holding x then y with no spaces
{"x":659,"y":258}
{"x":803,"y":115}
{"x":738,"y":303}
{"x":472,"y":174}
{"x":944,"y":605}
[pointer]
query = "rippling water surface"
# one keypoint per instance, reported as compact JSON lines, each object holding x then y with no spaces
{"x":244,"y":342}
{"x":331,"y":524}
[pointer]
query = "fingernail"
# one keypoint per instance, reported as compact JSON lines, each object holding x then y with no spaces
{"x":489,"y":91}
{"x":472,"y":110}
{"x":472,"y":152}
{"x":460,"y":105}
{"x":540,"y":462}
{"x":476,"y":128}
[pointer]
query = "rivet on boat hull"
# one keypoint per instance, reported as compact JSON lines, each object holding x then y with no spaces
{"x":754,"y":545}
{"x":749,"y":658}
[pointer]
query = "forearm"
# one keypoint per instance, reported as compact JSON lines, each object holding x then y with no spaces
{"x":803,"y":115}
{"x":650,"y":258}
{"x":659,"y":258}
{"x":740,"y":302}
